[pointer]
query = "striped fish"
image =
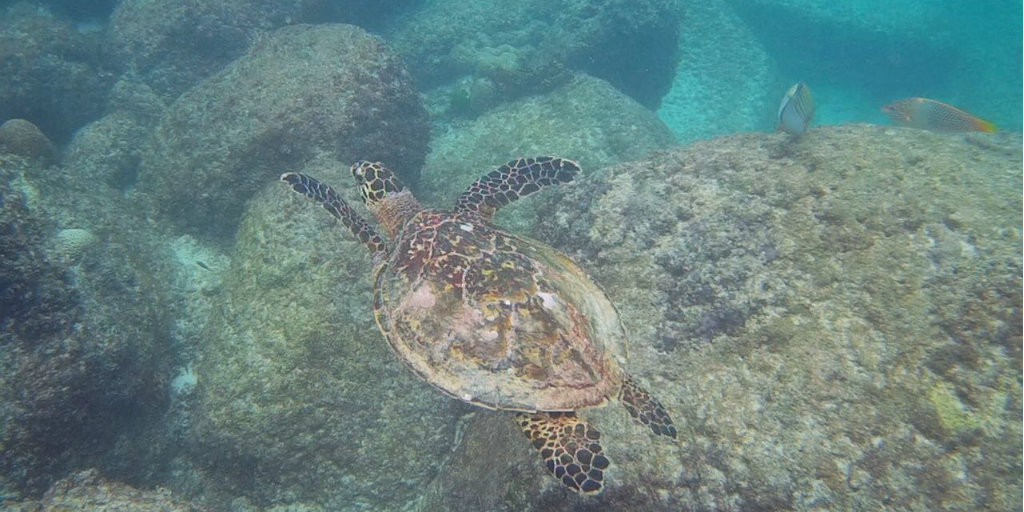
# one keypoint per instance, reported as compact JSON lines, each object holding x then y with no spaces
{"x":796,"y":110}
{"x":935,"y":116}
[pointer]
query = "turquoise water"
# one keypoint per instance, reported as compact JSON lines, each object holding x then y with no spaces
{"x":855,"y":56}
{"x":646,"y":299}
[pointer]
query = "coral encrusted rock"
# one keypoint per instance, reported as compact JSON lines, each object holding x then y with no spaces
{"x":833,"y":324}
{"x":303,"y":92}
{"x":300,"y":397}
{"x":586,"y":120}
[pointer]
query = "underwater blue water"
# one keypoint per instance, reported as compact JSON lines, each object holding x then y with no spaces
{"x":858,"y":56}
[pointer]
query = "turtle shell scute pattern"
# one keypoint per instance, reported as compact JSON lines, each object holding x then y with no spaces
{"x":495,"y":319}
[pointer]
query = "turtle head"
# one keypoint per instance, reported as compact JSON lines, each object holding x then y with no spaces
{"x":385,"y":195}
{"x":375,"y":181}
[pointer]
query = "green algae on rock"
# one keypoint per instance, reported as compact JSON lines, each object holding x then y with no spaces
{"x":81,"y":338}
{"x":837,"y":321}
{"x":302,"y":92}
{"x":88,"y":491}
{"x":172,"y":45}
{"x":52,"y":74}
{"x":632,"y":44}
{"x":587,"y":120}
{"x":22,"y":138}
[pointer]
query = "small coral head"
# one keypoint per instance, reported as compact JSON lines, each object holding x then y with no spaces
{"x":376,"y":182}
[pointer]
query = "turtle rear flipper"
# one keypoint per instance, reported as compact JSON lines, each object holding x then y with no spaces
{"x":518,"y":178}
{"x":571,"y":449}
{"x":644,"y":408}
{"x":312,"y":188}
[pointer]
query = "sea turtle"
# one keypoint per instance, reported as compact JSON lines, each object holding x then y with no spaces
{"x":495,"y":319}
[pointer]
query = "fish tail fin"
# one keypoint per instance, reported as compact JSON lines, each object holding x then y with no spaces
{"x":985,"y":126}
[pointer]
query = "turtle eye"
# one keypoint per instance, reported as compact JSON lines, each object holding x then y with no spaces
{"x":359,"y":171}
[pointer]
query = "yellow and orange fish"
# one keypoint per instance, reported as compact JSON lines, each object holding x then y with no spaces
{"x":935,"y":116}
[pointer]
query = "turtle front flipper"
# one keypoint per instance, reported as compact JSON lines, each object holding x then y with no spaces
{"x":518,"y":178}
{"x":571,"y":449}
{"x":312,"y":188}
{"x":644,"y":408}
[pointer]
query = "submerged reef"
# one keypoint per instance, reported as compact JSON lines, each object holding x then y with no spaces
{"x":22,"y":138}
{"x":300,"y":399}
{"x":861,"y":55}
{"x":301,"y":92}
{"x":834,"y":324}
{"x":725,"y":81}
{"x":88,"y":491}
{"x":172,"y":45}
{"x":522,"y":46}
{"x":586,"y":118}
{"x":50,"y":73}
{"x":81,"y":336}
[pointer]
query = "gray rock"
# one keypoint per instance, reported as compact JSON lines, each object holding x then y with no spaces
{"x":301,"y":92}
{"x":522,"y":46}
{"x":82,"y":341}
{"x":50,"y":73}
{"x":87,"y":490}
{"x":108,"y":150}
{"x":914,"y":19}
{"x":137,"y":100}
{"x":874,"y":47}
{"x":300,"y":399}
{"x":586,"y":120}
{"x":834,"y":324}
{"x":373,"y":15}
{"x":22,"y":138}
{"x":172,"y":45}
{"x":725,"y":82}
{"x":85,"y":11}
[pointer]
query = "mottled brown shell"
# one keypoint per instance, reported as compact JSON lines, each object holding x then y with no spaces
{"x":495,"y":319}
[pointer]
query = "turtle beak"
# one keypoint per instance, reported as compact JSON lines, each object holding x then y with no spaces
{"x":359,"y":173}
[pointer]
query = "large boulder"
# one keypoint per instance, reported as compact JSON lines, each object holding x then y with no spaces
{"x":834,"y":325}
{"x":82,"y":331}
{"x":586,"y":120}
{"x":303,"y":92}
{"x":876,"y":46}
{"x":725,"y":82}
{"x":50,"y":73}
{"x":522,"y":46}
{"x":22,"y":138}
{"x":172,"y":45}
{"x":88,"y":491}
{"x":84,"y":11}
{"x":300,"y":399}
{"x":108,"y":150}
